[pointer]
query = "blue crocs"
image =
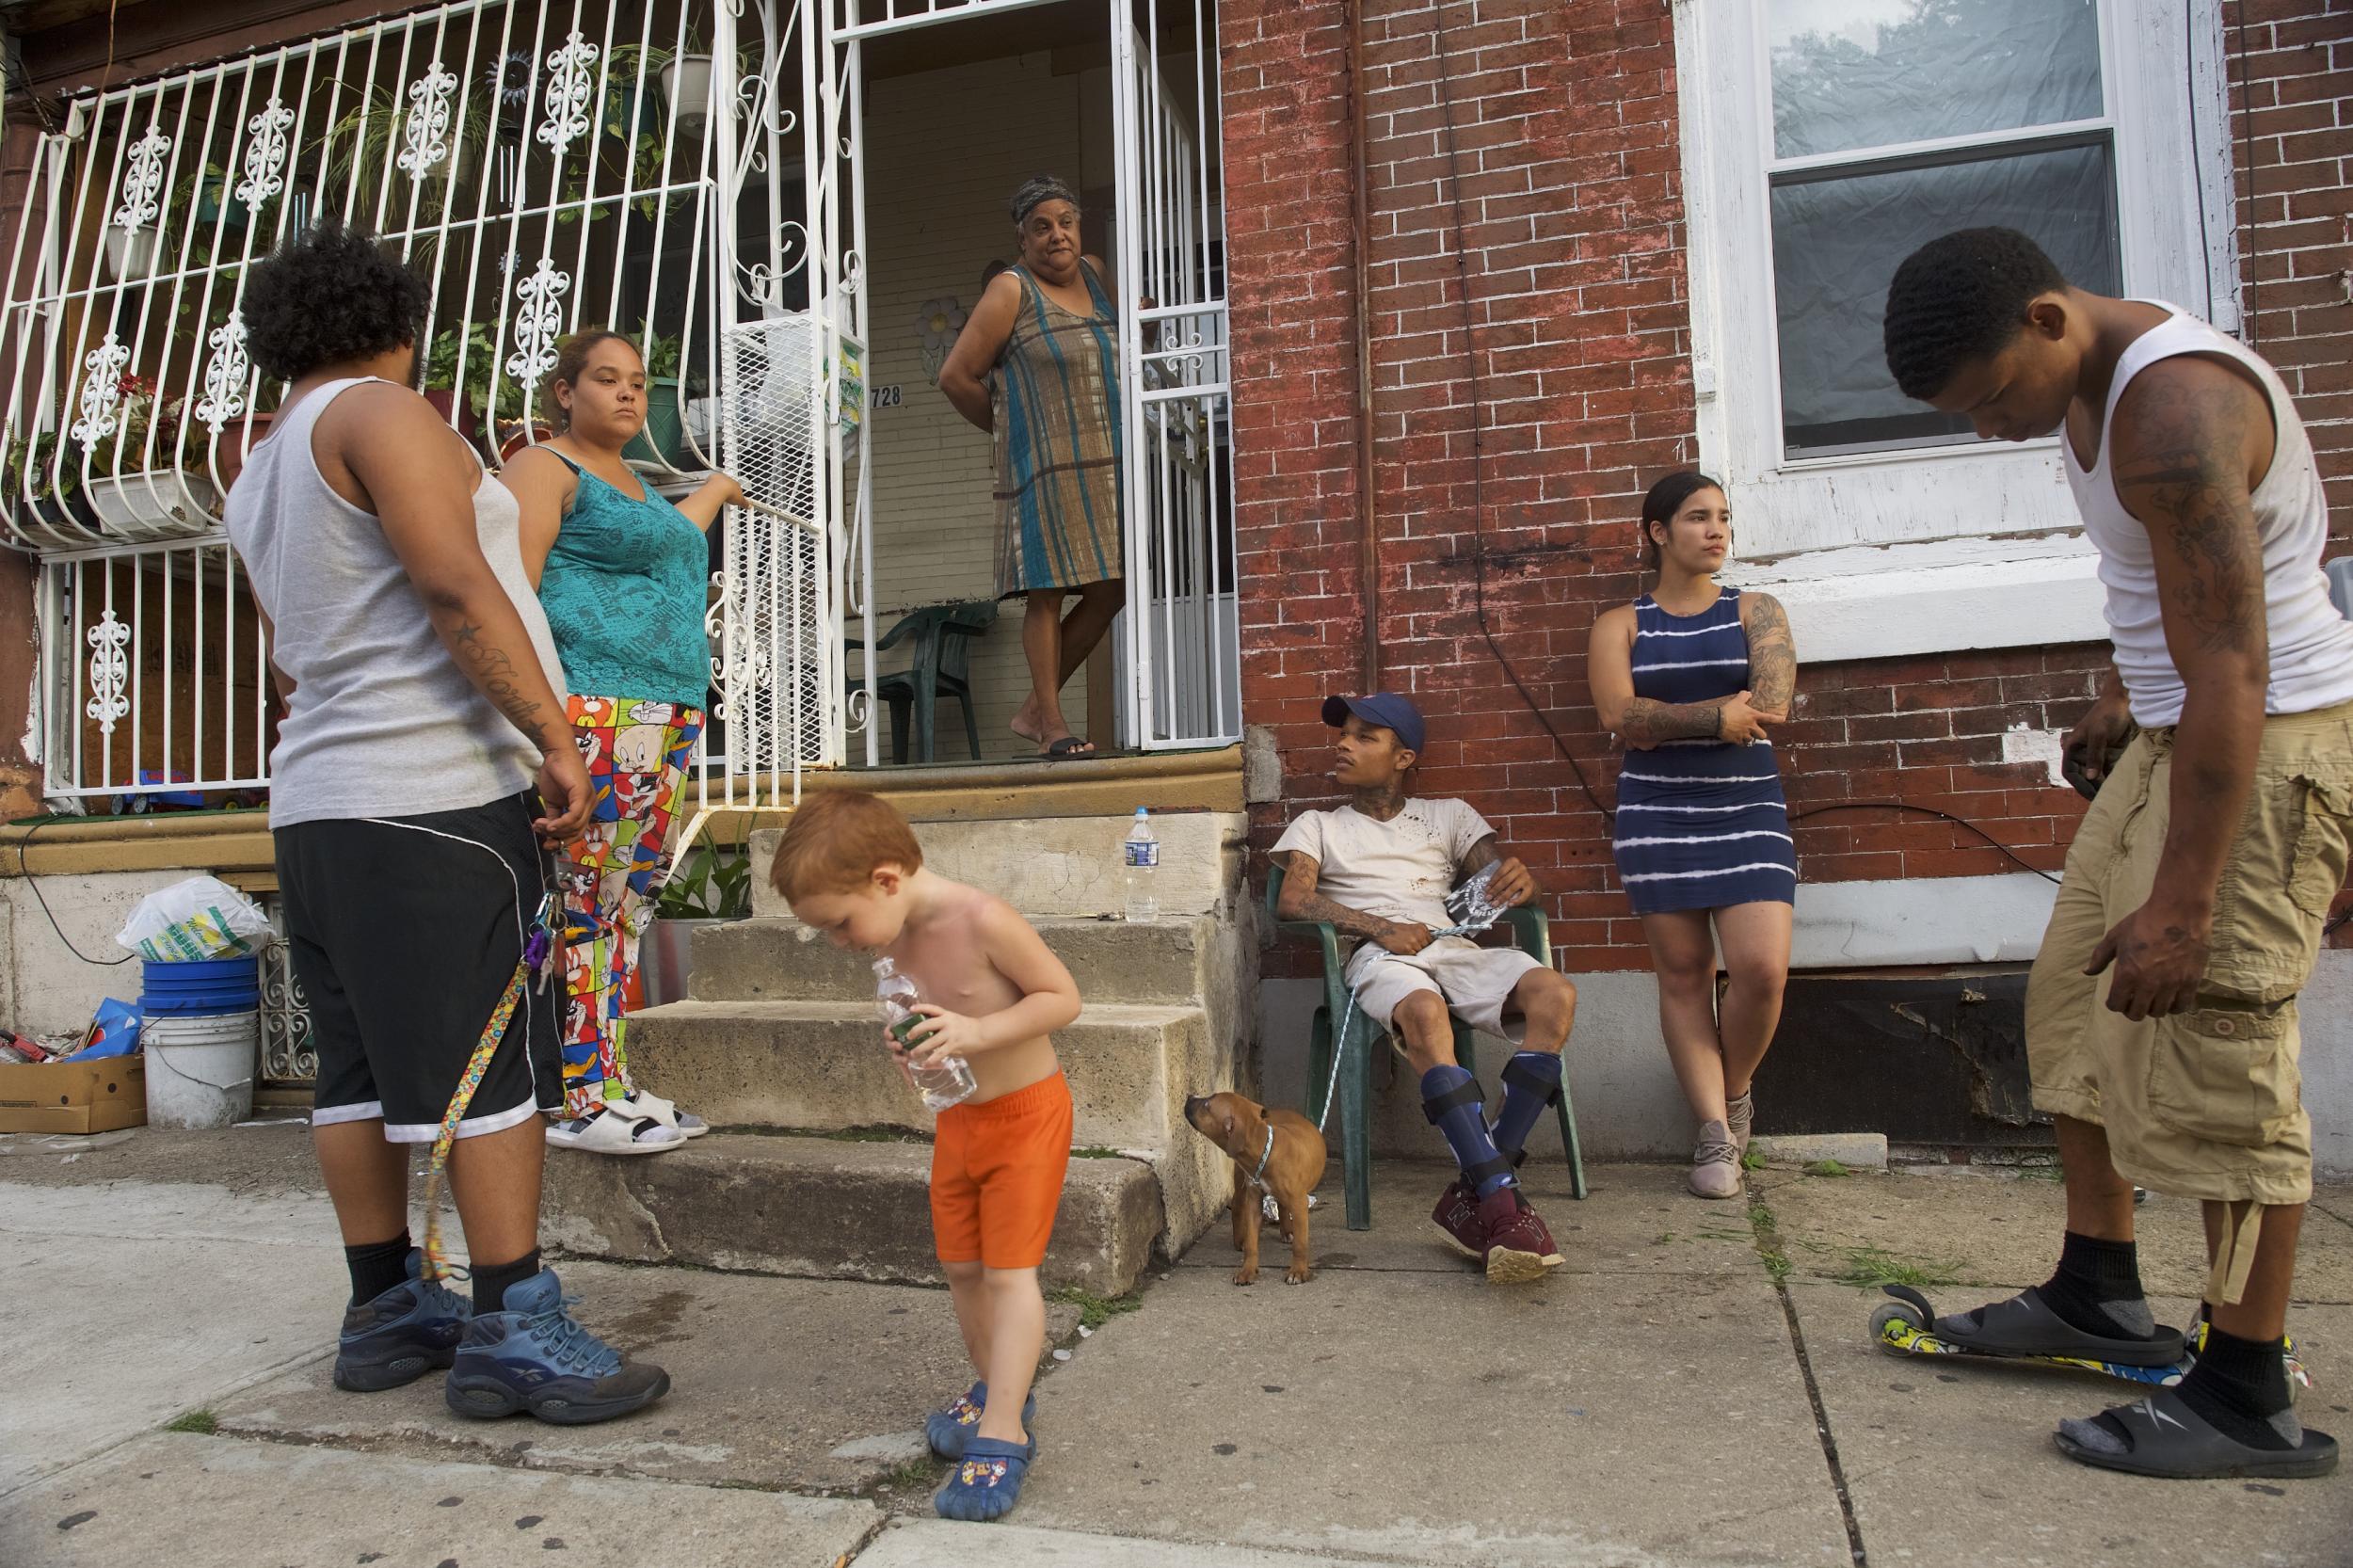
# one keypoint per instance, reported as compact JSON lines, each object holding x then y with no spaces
{"x":948,"y":1431}
{"x":987,"y":1484}
{"x":402,"y":1335}
{"x":534,"y":1356}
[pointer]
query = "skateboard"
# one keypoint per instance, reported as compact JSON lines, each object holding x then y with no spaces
{"x":1905,"y":1326}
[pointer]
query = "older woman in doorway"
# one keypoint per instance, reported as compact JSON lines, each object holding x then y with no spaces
{"x":623,"y":575}
{"x":1038,"y":365}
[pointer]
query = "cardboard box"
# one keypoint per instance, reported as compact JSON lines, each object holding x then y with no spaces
{"x":73,"y":1097}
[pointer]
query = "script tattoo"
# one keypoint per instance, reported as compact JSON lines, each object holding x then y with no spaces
{"x":495,"y":673}
{"x":1773,"y":655}
{"x":2186,"y":480}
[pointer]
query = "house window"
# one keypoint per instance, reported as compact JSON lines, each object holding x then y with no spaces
{"x":1823,"y":142}
{"x":1894,"y":123}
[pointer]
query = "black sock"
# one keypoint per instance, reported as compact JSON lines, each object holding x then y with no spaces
{"x":2097,"y":1289}
{"x":377,"y":1267}
{"x":2241,"y":1387}
{"x":490,"y":1281}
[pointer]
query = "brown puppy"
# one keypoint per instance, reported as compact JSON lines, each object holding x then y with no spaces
{"x":1279,"y":1154}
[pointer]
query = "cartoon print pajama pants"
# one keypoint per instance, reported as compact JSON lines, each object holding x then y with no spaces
{"x":637,"y":754}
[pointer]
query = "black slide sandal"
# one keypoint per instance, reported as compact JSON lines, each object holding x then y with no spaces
{"x":1069,"y":748}
{"x":2023,"y":1325}
{"x":2166,"y":1438}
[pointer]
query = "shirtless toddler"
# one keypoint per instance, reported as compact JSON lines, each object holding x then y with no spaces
{"x":850,"y":867}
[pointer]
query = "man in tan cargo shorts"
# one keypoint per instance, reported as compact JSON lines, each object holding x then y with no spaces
{"x":2161,"y":1026}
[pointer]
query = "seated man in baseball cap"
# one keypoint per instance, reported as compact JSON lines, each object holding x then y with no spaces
{"x":1379,"y":869}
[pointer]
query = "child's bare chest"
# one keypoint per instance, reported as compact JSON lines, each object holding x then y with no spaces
{"x":952,"y":971}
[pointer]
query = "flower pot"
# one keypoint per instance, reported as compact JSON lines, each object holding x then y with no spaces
{"x":663,"y":438}
{"x":215,"y":205}
{"x":686,"y":83}
{"x":130,"y":254}
{"x":155,"y":503}
{"x":460,"y":420}
{"x":514,"y":435}
{"x":230,"y":446}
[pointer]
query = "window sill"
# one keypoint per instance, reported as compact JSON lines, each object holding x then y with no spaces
{"x":1866,"y":601}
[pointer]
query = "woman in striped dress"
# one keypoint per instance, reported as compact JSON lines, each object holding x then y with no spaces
{"x":1689,"y":677}
{"x":1038,"y":365}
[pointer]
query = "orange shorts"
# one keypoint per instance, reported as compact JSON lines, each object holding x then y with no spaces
{"x":997,"y":1175}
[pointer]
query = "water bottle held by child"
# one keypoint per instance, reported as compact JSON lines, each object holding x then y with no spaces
{"x":1139,"y":857}
{"x":948,"y":1082}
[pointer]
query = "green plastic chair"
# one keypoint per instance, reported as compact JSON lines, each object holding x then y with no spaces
{"x":1532,"y":935}
{"x":942,"y":635}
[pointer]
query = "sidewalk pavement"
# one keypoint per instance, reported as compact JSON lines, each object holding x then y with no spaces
{"x":1697,"y":1387}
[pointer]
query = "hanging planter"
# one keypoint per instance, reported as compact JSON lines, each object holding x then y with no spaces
{"x":154,"y":504}
{"x":131,"y":254}
{"x":686,"y":83}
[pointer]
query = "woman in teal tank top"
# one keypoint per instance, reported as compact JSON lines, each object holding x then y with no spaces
{"x":623,"y":575}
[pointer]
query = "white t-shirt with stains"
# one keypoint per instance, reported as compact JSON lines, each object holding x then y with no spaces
{"x":1398,"y":869}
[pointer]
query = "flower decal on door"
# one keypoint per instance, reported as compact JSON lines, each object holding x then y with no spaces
{"x":936,"y":325}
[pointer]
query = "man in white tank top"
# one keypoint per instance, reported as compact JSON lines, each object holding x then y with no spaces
{"x":2161,"y":1024}
{"x":423,"y":748}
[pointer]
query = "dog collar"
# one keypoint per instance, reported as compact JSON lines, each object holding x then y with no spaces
{"x":1259,"y":1175}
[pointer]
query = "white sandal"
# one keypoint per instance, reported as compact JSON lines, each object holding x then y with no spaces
{"x":610,"y":1131}
{"x":684,"y":1123}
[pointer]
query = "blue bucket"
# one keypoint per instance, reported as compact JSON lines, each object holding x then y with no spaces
{"x":202,"y":986}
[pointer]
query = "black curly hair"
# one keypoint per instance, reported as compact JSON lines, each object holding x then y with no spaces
{"x":1959,"y":297}
{"x":330,"y":296}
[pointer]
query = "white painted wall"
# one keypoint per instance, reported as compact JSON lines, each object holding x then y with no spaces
{"x":45,"y":988}
{"x":1627,"y":1104}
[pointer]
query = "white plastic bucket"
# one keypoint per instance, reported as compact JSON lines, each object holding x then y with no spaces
{"x":199,"y":1068}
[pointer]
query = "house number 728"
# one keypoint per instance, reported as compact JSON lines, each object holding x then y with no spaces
{"x":884,"y":397}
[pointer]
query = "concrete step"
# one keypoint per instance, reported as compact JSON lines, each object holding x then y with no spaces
{"x":820,"y":1066}
{"x":826,"y":1207}
{"x":1063,"y":866}
{"x":1168,"y":961}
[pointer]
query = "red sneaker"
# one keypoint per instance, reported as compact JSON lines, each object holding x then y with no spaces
{"x":1457,"y":1214}
{"x":1519,"y":1248}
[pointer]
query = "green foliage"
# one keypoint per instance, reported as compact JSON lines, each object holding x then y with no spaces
{"x":1826,"y":1168}
{"x":709,"y":882}
{"x":1094,"y":1310}
{"x":1867,"y":1268}
{"x":203,"y":1422}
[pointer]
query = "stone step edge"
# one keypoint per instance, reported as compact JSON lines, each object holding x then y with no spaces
{"x":883,"y":1133}
{"x":1103,"y":1014}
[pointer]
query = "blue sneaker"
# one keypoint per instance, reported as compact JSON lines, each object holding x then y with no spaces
{"x":402,"y":1335}
{"x":534,"y":1356}
{"x":948,"y":1431}
{"x":986,"y":1482}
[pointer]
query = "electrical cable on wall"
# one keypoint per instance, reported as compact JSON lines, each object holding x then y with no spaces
{"x":1478,"y":499}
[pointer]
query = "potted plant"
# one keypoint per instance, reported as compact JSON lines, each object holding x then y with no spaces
{"x":148,"y":489}
{"x":55,"y":500}
{"x":669,"y":389}
{"x":711,"y":886}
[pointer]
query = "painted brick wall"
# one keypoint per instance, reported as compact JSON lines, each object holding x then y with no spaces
{"x":1566,"y":131}
{"x":2292,"y":126}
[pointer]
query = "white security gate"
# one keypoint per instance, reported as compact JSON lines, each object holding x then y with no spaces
{"x":547,"y":166}
{"x":1177,"y":645}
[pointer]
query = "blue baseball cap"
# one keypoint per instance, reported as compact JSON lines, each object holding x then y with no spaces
{"x":1386,"y":708}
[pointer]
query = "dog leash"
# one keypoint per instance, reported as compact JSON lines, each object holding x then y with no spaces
{"x":538,"y":951}
{"x":1348,"y":1018}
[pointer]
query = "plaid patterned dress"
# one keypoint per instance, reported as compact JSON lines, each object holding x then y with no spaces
{"x":1056,"y":402}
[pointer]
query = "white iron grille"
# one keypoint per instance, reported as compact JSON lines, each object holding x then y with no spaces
{"x":548,"y":165}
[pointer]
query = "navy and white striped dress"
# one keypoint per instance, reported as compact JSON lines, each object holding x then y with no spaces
{"x":1701,"y":824}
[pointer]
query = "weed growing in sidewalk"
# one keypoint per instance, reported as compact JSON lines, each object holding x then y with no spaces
{"x":915,"y":1472}
{"x":1768,"y":1247}
{"x":1826,"y":1168}
{"x":1094,"y":1310}
{"x":1868,"y":1267}
{"x":1752,"y":1160}
{"x":203,"y":1422}
{"x":1097,"y":1151}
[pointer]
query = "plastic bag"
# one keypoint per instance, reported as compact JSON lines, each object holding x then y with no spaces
{"x":114,"y":1032}
{"x":201,"y":918}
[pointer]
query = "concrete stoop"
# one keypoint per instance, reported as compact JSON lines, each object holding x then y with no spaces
{"x":778,"y":1049}
{"x":826,"y":1207}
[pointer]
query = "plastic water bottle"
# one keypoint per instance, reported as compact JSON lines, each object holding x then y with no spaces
{"x":895,"y":997}
{"x":1141,"y":856}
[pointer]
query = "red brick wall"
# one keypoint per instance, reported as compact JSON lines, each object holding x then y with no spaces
{"x":1567,"y":125}
{"x":2292,"y":135}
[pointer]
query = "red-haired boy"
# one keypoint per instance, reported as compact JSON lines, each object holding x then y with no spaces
{"x":851,"y":868}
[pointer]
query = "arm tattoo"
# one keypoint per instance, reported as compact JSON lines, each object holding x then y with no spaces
{"x":1647,"y":720}
{"x":1484,"y":853}
{"x":1773,"y":655}
{"x":490,"y":669}
{"x":1301,"y":902}
{"x":2186,"y":482}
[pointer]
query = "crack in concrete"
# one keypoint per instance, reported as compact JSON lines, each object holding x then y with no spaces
{"x":1776,"y":1260}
